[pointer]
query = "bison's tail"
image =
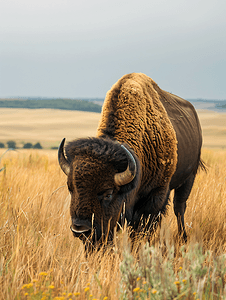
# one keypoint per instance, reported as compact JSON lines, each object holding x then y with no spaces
{"x":202,"y":165}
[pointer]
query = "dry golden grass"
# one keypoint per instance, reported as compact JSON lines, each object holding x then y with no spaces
{"x":213,"y":127}
{"x":34,"y":209}
{"x":49,"y":126}
{"x":35,"y":235}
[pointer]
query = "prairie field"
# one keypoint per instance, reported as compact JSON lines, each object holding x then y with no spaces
{"x":213,"y":128}
{"x":40,"y":259}
{"x":49,"y":126}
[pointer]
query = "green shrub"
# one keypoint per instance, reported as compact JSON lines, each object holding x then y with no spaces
{"x":11,"y":144}
{"x":28,"y":146}
{"x":37,"y":146}
{"x":200,"y":275}
{"x":2,"y":145}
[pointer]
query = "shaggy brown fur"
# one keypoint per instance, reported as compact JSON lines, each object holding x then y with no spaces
{"x":133,"y":113}
{"x":162,"y":134}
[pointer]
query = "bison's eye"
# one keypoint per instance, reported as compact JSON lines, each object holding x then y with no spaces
{"x":106,"y":195}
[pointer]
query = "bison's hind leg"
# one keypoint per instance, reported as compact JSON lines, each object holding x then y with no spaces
{"x":180,"y":197}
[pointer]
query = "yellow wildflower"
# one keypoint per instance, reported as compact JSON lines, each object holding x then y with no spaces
{"x":136,"y":289}
{"x":51,"y":287}
{"x":194,"y":293}
{"x":86,"y":289}
{"x":90,"y":295}
{"x":43,"y":274}
{"x":69,"y":295}
{"x":180,"y":268}
{"x":154,"y":291}
{"x":184,"y":281}
{"x":77,"y":294}
{"x":88,"y":283}
{"x":138,"y":278}
{"x":177,"y":282}
{"x":24,"y":286}
{"x":34,"y":280}
{"x":105,"y":298}
{"x":144,"y":282}
{"x":26,"y":294}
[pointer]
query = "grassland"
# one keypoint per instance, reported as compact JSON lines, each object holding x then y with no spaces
{"x":49,"y":126}
{"x":40,"y":259}
{"x":213,"y":127}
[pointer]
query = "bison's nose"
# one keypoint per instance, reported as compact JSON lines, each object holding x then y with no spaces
{"x":80,"y":226}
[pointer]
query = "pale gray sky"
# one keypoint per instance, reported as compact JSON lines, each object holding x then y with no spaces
{"x":71,"y":48}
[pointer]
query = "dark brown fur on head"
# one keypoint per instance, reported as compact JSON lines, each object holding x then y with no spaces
{"x":93,"y":165}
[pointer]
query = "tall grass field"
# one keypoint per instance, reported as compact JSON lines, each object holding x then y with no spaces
{"x":40,"y":259}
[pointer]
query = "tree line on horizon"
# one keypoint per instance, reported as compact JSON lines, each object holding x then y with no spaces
{"x":12,"y":145}
{"x":74,"y":104}
{"x":65,"y":104}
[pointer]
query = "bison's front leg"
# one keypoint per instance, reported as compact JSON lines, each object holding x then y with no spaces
{"x":151,"y":206}
{"x":181,"y":195}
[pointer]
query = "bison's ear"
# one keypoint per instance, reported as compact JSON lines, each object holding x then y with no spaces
{"x":64,"y":164}
{"x":128,"y":175}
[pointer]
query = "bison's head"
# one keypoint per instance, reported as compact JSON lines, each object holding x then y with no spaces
{"x":102,"y":179}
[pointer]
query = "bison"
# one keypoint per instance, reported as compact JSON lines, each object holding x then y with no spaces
{"x":148,"y":143}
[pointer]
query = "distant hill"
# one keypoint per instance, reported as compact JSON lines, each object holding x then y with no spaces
{"x":91,"y":104}
{"x":214,"y":104}
{"x":36,"y":103}
{"x":222,"y":105}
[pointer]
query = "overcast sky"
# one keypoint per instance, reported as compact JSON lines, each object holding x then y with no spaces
{"x":71,"y":48}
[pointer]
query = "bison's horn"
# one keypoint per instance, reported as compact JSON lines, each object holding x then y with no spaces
{"x":128,"y":175}
{"x":64,"y":164}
